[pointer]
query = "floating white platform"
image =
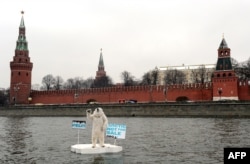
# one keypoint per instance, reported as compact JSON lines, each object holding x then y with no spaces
{"x":87,"y":149}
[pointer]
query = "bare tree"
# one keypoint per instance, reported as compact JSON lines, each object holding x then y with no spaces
{"x":154,"y":76}
{"x":101,"y":82}
{"x":88,"y":82}
{"x":78,"y":82}
{"x":48,"y":82}
{"x":174,"y":77}
{"x":4,"y":96}
{"x":58,"y":82}
{"x":74,"y":83}
{"x":235,"y":63}
{"x":151,"y":77}
{"x":243,"y":70}
{"x":146,"y":79}
{"x":69,"y":84}
{"x":201,"y":75}
{"x":127,"y":78}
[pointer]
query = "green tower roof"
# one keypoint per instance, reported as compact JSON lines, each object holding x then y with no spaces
{"x":22,"y":23}
{"x":21,"y":43}
{"x":101,"y":63}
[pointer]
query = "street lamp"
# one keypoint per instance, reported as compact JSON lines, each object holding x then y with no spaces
{"x":220,"y":92}
{"x":16,"y":88}
{"x":165,"y":90}
{"x":75,"y":97}
{"x":29,"y":99}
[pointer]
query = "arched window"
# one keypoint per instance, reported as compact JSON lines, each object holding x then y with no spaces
{"x":224,"y":75}
{"x":218,"y":75}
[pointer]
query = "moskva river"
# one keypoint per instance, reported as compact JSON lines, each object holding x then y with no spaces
{"x":35,"y":140}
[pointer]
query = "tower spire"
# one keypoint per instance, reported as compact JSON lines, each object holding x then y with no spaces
{"x":101,"y":63}
{"x":22,"y":21}
{"x":21,"y":43}
{"x":101,"y":71}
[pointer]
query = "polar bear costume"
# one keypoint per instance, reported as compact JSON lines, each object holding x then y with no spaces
{"x":99,"y":125}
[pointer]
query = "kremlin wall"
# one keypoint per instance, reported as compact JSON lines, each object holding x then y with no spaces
{"x":224,"y":85}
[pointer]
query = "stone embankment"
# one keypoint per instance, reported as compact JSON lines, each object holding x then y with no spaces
{"x":204,"y":109}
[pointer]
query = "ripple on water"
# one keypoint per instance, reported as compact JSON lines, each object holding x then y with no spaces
{"x":148,"y":140}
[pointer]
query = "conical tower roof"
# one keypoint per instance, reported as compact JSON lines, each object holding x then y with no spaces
{"x":224,"y":59}
{"x":223,"y":44}
{"x":22,"y":43}
{"x":101,"y":63}
{"x":22,"y":23}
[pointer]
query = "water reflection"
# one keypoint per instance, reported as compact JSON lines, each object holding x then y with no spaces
{"x":228,"y":131}
{"x":107,"y":159}
{"x":14,"y":139}
{"x":148,"y":140}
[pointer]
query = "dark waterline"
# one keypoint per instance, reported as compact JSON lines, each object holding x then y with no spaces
{"x":148,"y":140}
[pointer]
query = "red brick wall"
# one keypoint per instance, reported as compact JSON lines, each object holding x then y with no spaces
{"x":229,"y":87}
{"x":244,"y":90}
{"x":195,"y":92}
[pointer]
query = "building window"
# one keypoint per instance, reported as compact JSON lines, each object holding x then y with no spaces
{"x":19,"y":73}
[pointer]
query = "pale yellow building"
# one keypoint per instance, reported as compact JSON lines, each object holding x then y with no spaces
{"x":188,"y":70}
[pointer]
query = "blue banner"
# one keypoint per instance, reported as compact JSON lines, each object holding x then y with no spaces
{"x":116,"y":131}
{"x":76,"y":124}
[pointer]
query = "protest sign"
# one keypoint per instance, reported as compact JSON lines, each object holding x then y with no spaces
{"x":76,"y":124}
{"x":116,"y":131}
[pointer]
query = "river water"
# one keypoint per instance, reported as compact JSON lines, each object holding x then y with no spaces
{"x":35,"y":140}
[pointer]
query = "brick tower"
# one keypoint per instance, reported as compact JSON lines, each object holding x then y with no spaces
{"x":21,"y":69}
{"x":101,"y":72}
{"x":225,"y":82}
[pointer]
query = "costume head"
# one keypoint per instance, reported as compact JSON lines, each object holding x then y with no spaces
{"x":98,"y":112}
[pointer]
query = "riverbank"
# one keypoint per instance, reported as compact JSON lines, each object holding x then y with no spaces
{"x":208,"y":109}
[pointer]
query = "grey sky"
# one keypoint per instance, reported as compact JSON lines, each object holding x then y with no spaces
{"x":65,"y":36}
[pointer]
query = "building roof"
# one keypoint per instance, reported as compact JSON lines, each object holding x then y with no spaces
{"x":223,"y":44}
{"x":101,"y":63}
{"x":183,"y":67}
{"x":21,"y":43}
{"x":22,"y":23}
